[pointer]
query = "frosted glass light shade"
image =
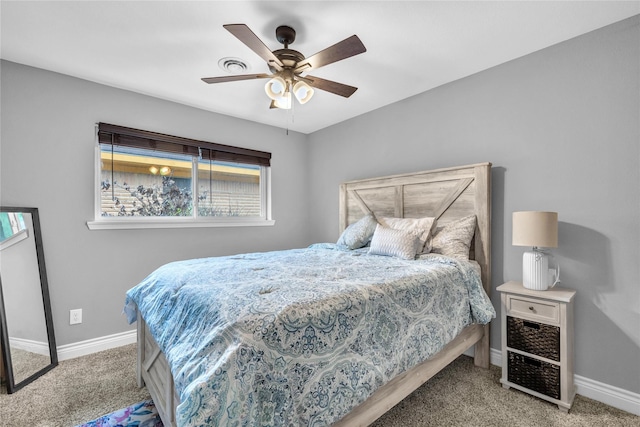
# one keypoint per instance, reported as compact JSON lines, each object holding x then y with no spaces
{"x":275,"y":88}
{"x":284,"y":101}
{"x":535,"y":229}
{"x":303,"y":92}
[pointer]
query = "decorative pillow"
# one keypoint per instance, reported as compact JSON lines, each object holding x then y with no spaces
{"x":359,"y":233}
{"x":422,"y":226}
{"x":454,"y":239}
{"x":391,"y":242}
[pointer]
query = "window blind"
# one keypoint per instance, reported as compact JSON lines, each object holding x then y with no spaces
{"x":129,"y":137}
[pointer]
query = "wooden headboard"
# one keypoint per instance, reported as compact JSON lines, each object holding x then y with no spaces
{"x":446,"y":194}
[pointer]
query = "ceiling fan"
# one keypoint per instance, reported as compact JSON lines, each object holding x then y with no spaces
{"x":288,"y":65}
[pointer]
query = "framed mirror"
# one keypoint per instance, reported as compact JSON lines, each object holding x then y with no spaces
{"x":27,"y":341}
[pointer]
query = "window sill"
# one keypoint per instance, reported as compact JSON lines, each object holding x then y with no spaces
{"x":142,"y":223}
{"x":16,"y":238}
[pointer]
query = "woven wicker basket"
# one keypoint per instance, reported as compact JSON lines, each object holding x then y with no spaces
{"x":533,"y":337}
{"x":534,"y":374}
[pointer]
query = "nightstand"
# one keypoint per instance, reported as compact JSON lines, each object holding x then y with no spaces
{"x":537,"y":342}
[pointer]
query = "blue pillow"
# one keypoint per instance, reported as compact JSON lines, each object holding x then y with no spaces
{"x":358,"y":234}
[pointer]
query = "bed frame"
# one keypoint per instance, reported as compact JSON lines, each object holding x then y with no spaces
{"x":446,"y":194}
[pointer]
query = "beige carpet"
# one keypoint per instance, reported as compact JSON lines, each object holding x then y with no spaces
{"x":85,"y":388}
{"x":26,"y":363}
{"x":76,"y":391}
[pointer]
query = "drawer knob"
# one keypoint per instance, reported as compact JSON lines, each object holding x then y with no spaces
{"x":531,"y":308}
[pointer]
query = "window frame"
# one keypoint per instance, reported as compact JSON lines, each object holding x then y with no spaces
{"x":144,"y":222}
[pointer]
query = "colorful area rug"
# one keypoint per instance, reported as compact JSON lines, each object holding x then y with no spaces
{"x":142,"y":414}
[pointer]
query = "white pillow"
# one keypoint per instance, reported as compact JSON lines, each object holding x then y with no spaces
{"x":454,"y":239}
{"x":422,"y":226}
{"x":391,"y":242}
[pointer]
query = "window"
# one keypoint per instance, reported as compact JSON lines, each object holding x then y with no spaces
{"x":146,"y":179}
{"x":12,"y":229}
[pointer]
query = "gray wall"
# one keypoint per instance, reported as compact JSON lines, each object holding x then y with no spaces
{"x":48,"y":143}
{"x":561,"y":127}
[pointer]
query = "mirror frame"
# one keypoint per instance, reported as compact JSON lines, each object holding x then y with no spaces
{"x":12,"y":387}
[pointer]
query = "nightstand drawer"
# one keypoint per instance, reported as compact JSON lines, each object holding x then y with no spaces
{"x":538,"y":310}
{"x":534,"y":338}
{"x":534,"y":374}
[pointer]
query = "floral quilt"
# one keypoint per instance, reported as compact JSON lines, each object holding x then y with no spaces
{"x":300,"y":337}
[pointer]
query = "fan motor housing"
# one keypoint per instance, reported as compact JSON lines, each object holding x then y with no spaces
{"x":288,"y":57}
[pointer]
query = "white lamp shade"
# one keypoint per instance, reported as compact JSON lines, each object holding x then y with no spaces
{"x":275,"y":88}
{"x":535,"y":229}
{"x":303,"y":92}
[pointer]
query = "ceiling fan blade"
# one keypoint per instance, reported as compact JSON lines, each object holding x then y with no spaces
{"x":345,"y":49}
{"x":223,"y":79}
{"x":248,"y":37}
{"x":330,"y":86}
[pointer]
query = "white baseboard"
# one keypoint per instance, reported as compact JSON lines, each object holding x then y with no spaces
{"x":613,"y":396}
{"x":605,"y":393}
{"x":610,"y":395}
{"x":83,"y":348}
{"x":31,"y":346}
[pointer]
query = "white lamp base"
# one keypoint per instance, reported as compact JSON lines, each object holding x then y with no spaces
{"x":535,"y":270}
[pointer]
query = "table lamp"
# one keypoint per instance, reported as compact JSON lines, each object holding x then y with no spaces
{"x":538,"y":230}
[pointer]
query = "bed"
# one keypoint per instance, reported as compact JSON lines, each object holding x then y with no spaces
{"x":338,"y":340}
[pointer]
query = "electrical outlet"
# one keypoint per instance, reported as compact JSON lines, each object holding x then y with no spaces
{"x":75,"y":316}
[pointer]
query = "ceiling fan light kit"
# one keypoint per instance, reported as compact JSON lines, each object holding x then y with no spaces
{"x":275,"y":88}
{"x":303,"y":92}
{"x":287,"y":66}
{"x":280,"y":91}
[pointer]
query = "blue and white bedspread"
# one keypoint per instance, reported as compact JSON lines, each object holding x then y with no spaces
{"x":300,"y":337}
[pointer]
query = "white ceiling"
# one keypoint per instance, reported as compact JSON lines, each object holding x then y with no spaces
{"x":162,"y":49}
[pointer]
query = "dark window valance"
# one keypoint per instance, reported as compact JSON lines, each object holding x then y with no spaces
{"x":120,"y":135}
